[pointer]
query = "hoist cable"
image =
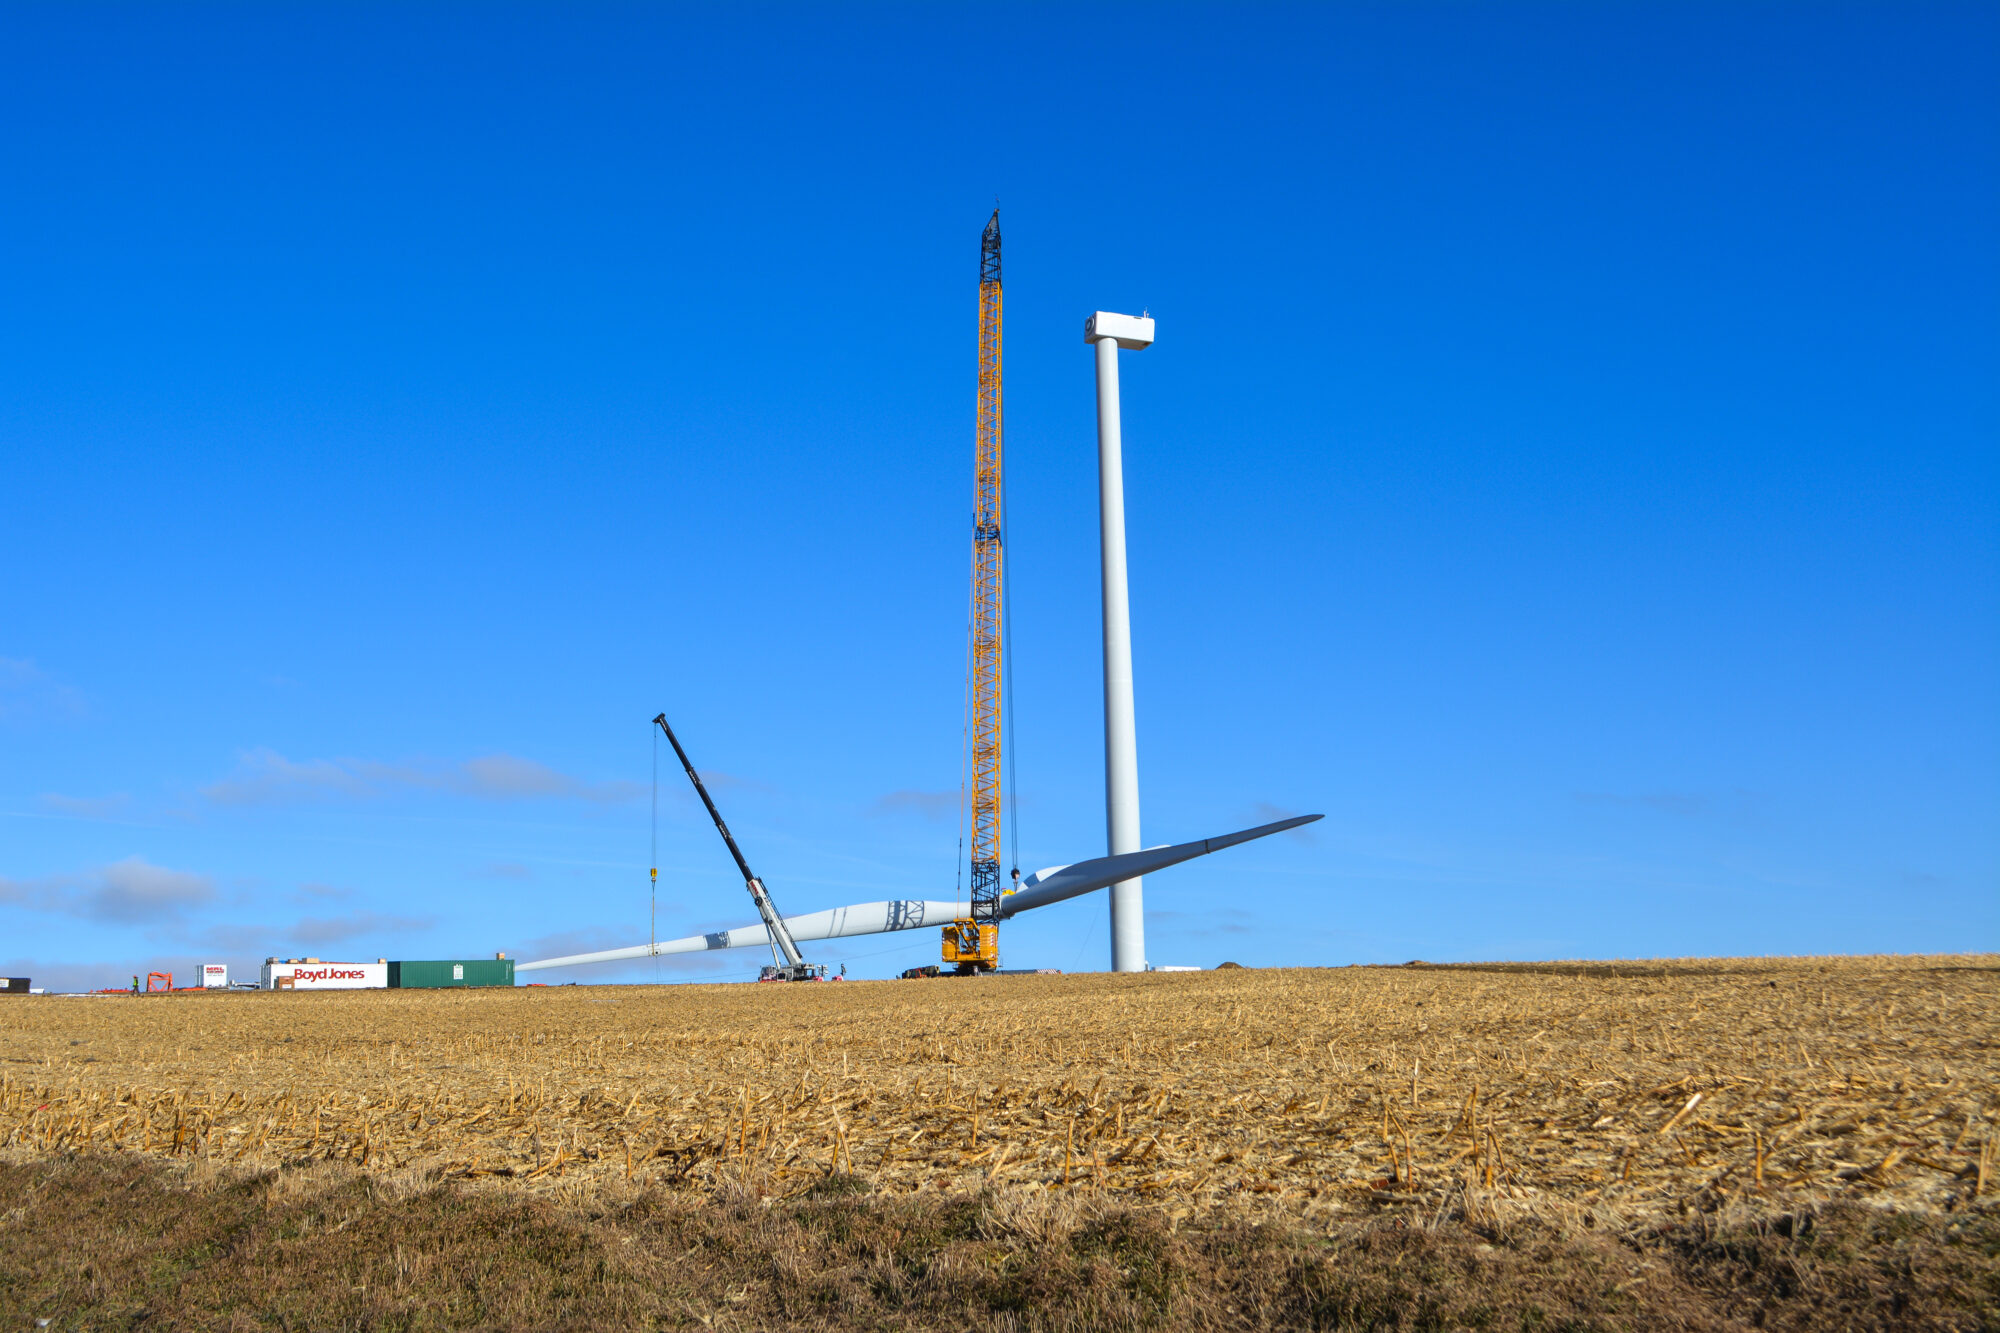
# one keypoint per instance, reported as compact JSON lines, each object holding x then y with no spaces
{"x":1007,"y":680}
{"x":964,"y":742}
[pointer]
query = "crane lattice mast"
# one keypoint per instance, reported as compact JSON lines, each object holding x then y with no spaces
{"x":987,"y":568}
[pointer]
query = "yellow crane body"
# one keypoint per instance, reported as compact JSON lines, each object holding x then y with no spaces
{"x":972,"y":946}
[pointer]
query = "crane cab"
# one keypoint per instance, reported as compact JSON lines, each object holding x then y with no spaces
{"x":972,"y":946}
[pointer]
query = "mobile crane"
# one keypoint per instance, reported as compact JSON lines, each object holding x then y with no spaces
{"x":794,"y":967}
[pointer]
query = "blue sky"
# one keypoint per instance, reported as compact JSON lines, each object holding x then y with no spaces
{"x":1568,"y":462}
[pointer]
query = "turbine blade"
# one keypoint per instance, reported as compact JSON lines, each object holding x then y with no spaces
{"x":1053,"y":885}
{"x":1065,"y":882}
{"x":834,"y":923}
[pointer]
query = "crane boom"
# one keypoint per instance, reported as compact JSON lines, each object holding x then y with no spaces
{"x":972,"y":944}
{"x":987,"y":590}
{"x":795,"y":967}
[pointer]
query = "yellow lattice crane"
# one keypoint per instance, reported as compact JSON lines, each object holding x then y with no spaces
{"x":972,"y":944}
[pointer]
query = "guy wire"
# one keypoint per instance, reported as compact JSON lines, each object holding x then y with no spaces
{"x":1007,"y":678}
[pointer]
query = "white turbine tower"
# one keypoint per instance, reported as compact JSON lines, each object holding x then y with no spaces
{"x":1121,"y":737}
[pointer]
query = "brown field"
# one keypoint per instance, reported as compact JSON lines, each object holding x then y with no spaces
{"x":1600,"y":1092}
{"x":1774,"y":1144}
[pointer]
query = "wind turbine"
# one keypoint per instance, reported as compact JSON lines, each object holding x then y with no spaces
{"x":1108,"y":333}
{"x":1053,"y":885}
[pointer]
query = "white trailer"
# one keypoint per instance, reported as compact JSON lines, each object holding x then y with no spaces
{"x":319,"y":974}
{"x":215,"y":976}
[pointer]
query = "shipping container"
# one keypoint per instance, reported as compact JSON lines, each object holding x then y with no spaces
{"x":430,"y":974}
{"x":13,"y":985}
{"x":315,"y":974}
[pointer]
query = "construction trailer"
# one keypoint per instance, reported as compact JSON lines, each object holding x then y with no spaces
{"x":14,"y":985}
{"x":214,"y":976}
{"x":321,"y":974}
{"x":448,"y":972}
{"x":385,"y":974}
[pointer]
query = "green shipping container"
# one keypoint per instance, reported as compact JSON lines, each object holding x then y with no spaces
{"x":452,"y":972}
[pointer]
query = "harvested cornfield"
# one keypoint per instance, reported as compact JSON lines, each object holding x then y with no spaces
{"x":1619,"y":1091}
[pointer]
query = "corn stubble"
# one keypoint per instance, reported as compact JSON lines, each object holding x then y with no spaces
{"x":1582,"y":1091}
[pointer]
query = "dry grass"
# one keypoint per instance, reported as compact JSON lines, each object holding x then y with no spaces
{"x":1599,"y":1093}
{"x":124,"y":1242}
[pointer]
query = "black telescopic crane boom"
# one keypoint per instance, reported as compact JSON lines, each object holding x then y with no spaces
{"x":796,"y":967}
{"x":702,"y":792}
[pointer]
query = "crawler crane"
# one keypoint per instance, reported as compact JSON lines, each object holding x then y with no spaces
{"x":972,"y":943}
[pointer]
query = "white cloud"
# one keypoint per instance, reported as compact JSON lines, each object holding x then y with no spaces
{"x":237,"y":939}
{"x":135,"y":889}
{"x":1222,"y":920}
{"x":929,"y":804}
{"x":62,"y":976}
{"x":590,"y":939}
{"x":265,"y":777}
{"x":315,"y":892}
{"x":28,"y":693}
{"x":353,"y":925}
{"x":313,"y":931}
{"x":132,"y":891}
{"x":84,"y":807}
{"x":506,"y":775}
